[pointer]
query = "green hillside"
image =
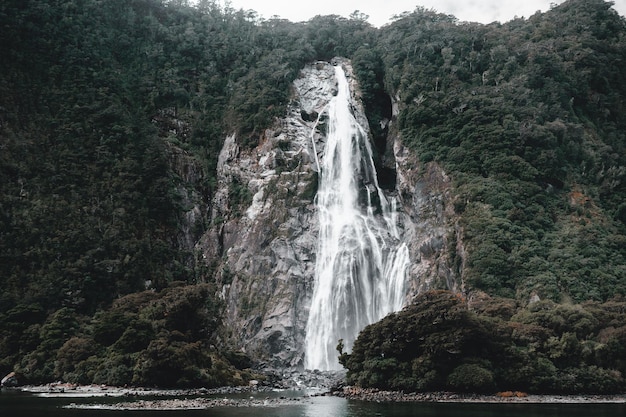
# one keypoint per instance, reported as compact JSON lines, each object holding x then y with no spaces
{"x":528,"y":118}
{"x":97,"y":97}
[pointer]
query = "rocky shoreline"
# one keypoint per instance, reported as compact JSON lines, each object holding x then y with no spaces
{"x":289,"y":390}
{"x":273,"y":381}
{"x":375,"y":395}
{"x":356,"y":394}
{"x":193,"y":403}
{"x":60,"y":389}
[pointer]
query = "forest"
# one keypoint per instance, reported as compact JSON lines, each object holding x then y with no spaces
{"x":98,"y":96}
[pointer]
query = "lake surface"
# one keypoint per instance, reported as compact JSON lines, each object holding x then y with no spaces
{"x":17,"y":404}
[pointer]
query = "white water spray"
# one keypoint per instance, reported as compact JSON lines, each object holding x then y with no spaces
{"x":361,"y":261}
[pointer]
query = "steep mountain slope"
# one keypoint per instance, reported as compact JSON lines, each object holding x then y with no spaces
{"x":527,"y":118}
{"x":504,"y":144}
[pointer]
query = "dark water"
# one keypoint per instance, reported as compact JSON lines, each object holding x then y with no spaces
{"x":14,"y":404}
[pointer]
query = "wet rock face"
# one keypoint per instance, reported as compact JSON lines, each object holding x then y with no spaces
{"x":263,"y":236}
{"x":262,"y":240}
{"x":429,"y":224}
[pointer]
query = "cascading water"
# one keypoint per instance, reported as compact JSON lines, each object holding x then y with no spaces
{"x":361,"y":260}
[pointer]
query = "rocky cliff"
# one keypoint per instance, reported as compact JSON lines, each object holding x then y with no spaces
{"x":263,"y":235}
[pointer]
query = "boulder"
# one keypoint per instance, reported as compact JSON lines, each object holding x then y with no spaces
{"x":10,"y":380}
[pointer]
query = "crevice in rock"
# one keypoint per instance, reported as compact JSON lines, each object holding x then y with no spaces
{"x":379,"y":126}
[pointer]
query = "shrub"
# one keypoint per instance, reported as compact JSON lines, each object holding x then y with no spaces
{"x":136,"y":337}
{"x":471,"y":378}
{"x":75,"y":350}
{"x":109,"y":326}
{"x":114,"y":369}
{"x":438,"y":344}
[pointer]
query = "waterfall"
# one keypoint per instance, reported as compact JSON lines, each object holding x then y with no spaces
{"x":361,"y":260}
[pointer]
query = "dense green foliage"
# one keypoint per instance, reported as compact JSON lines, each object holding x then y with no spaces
{"x":97,"y":97}
{"x":528,"y":119}
{"x":438,"y":343}
{"x":96,"y":100}
{"x":144,"y":339}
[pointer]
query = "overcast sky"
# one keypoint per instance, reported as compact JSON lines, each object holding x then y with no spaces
{"x":380,"y":11}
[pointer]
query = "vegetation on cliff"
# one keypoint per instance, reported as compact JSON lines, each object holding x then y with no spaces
{"x":528,"y":119}
{"x":96,"y":98}
{"x":439,"y":343}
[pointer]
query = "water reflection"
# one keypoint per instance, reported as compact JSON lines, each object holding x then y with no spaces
{"x":328,"y":407}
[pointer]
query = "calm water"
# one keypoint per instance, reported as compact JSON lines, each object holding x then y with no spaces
{"x":28,"y":405}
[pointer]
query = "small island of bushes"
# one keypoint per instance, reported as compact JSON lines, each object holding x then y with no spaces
{"x":443,"y":342}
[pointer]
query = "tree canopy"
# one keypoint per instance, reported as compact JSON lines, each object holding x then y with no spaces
{"x":438,"y":343}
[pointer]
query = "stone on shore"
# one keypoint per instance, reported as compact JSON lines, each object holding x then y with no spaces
{"x":10,"y":380}
{"x":376,"y":395}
